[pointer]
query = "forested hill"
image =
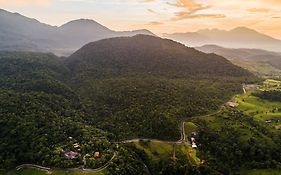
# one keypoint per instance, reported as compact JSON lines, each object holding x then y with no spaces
{"x":39,"y":112}
{"x":143,"y":54}
{"x":142,"y":86}
{"x":138,"y":87}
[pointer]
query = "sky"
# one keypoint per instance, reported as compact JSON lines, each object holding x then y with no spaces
{"x":158,"y":16}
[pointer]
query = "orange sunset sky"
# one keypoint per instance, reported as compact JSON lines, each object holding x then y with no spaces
{"x":159,"y":16}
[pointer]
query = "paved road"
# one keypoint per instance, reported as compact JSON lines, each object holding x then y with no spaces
{"x":179,"y":142}
{"x":102,"y":167}
{"x":32,"y":166}
{"x":183,"y":136}
{"x":69,"y":169}
{"x":182,"y":140}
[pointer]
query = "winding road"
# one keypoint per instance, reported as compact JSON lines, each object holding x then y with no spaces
{"x":69,"y":169}
{"x":32,"y":166}
{"x":182,"y":141}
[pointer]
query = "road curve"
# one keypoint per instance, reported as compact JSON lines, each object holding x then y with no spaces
{"x":182,"y":140}
{"x":32,"y":166}
{"x":102,"y":167}
{"x":69,"y":169}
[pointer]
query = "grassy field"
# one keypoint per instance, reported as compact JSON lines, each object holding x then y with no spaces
{"x":160,"y":150}
{"x":259,"y":108}
{"x":155,"y":150}
{"x":31,"y":171}
{"x":270,"y":84}
{"x":189,"y":128}
{"x":261,"y":172}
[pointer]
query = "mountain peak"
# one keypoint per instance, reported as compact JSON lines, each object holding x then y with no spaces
{"x":84,"y":27}
{"x":243,"y":29}
{"x":142,"y":32}
{"x":81,"y":21}
{"x":213,"y":46}
{"x":209,"y":30}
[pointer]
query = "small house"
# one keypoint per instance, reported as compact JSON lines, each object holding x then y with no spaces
{"x":97,"y":155}
{"x":192,"y":139}
{"x":76,"y":146}
{"x":71,"y":155}
{"x":194,"y":145}
{"x":232,"y":104}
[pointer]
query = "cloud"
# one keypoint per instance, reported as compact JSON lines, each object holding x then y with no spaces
{"x":152,"y":11}
{"x":155,"y":23}
{"x":259,"y":10}
{"x":183,"y":15}
{"x":190,"y":10}
{"x":273,"y":1}
{"x":147,"y":0}
{"x":23,"y":2}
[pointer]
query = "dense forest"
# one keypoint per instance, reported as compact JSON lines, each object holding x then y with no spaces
{"x":39,"y":113}
{"x":272,"y":95}
{"x":231,"y":141}
{"x":143,"y":86}
{"x":109,"y":90}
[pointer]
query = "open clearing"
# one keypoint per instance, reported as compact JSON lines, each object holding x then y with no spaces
{"x":159,"y":151}
{"x":259,"y":108}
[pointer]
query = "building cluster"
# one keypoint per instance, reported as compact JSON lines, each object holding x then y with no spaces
{"x":74,"y":154}
{"x":193,"y":140}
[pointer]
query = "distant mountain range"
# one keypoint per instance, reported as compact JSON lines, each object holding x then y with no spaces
{"x":241,"y":54}
{"x":240,"y":37}
{"x":21,"y":33}
{"x":256,"y":60}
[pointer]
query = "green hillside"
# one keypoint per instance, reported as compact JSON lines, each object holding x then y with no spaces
{"x":115,"y":89}
{"x":243,"y":138}
{"x":142,"y":86}
{"x":41,"y":117}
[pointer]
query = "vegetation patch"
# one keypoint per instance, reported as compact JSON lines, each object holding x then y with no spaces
{"x":263,"y":102}
{"x":160,"y":155}
{"x":261,"y":172}
{"x":190,"y":128}
{"x":231,"y":137}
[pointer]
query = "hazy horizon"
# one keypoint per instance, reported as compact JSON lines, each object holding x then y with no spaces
{"x":158,"y":16}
